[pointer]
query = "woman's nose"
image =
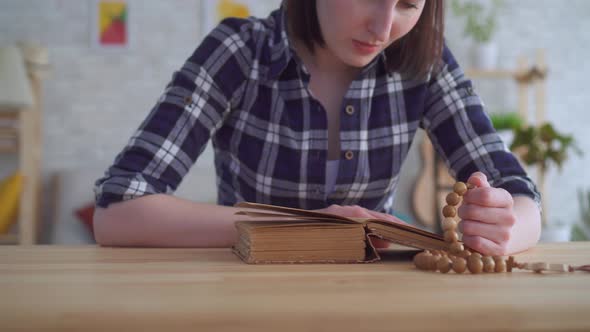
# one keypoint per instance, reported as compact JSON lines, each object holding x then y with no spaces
{"x":380,"y":24}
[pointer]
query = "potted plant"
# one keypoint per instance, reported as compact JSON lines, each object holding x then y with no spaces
{"x":480,"y":25}
{"x":506,"y":121}
{"x":581,"y":230}
{"x":505,"y":124}
{"x":543,"y":146}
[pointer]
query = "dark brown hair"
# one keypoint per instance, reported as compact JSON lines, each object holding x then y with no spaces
{"x":413,"y":55}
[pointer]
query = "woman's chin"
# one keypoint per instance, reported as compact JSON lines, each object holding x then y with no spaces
{"x":360,"y":62}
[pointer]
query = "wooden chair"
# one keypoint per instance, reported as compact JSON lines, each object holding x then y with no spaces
{"x":20,"y":128}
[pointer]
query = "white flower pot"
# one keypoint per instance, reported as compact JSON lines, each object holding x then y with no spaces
{"x":484,"y":56}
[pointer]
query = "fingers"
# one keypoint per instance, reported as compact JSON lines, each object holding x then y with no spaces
{"x":495,"y":233}
{"x":359,"y":211}
{"x":355,"y":211}
{"x":488,"y":215}
{"x":378,"y":243}
{"x":489,"y":197}
{"x":350,"y":211}
{"x":485,"y":246}
{"x":478,"y":179}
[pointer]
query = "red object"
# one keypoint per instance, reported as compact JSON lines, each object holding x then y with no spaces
{"x":85,"y":214}
{"x":114,"y":34}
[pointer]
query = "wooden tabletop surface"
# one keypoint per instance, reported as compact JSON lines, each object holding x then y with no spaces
{"x":98,"y":289}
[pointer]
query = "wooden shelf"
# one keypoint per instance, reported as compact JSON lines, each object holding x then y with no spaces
{"x":9,"y":115}
{"x":8,"y":239}
{"x":8,"y":149}
{"x":9,"y":140}
{"x":8,"y":133}
{"x":490,"y":74}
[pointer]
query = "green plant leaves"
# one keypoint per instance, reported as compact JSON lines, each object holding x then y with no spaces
{"x":543,"y":145}
{"x":503,"y":121}
{"x":478,"y":25}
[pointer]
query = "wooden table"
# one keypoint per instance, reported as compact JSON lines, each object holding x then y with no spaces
{"x":99,"y":289}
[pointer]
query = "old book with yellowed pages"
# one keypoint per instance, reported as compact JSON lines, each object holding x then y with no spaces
{"x":274,"y":234}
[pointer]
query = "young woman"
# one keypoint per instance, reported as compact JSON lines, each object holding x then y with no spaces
{"x":314,"y":107}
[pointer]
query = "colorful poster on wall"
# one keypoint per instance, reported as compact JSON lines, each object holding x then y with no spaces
{"x":111,"y":28}
{"x":213,"y":11}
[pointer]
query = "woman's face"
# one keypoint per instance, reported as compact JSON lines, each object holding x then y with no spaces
{"x":355,"y":31}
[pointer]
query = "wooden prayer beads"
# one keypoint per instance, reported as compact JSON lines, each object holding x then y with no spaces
{"x":460,"y":260}
{"x":474,"y":263}
{"x":457,"y":259}
{"x":500,"y":264}
{"x":450,"y":212}
{"x":489,"y":265}
{"x":444,"y":264}
{"x":459,"y":264}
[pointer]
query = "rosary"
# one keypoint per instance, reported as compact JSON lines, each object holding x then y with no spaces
{"x":459,"y":259}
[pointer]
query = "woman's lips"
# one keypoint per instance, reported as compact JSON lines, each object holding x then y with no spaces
{"x":364,"y":48}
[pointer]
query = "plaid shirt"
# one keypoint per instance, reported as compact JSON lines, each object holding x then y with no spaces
{"x":246,"y":90}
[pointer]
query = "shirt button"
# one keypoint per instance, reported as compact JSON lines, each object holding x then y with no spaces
{"x":348,"y":155}
{"x":349,"y":109}
{"x":188,"y":100}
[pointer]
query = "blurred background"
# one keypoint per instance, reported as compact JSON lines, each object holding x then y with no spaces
{"x":94,"y":69}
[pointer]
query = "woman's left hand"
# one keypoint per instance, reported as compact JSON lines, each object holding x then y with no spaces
{"x":487,"y":217}
{"x":355,"y":211}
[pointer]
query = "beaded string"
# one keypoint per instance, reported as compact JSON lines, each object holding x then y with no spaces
{"x":459,"y":259}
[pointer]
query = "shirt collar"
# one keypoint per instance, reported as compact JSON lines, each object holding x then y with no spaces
{"x":281,"y":52}
{"x":380,"y":59}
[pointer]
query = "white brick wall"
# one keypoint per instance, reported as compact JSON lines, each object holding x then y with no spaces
{"x":94,"y":100}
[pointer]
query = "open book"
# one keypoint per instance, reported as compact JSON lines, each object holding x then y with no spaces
{"x":273,"y":234}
